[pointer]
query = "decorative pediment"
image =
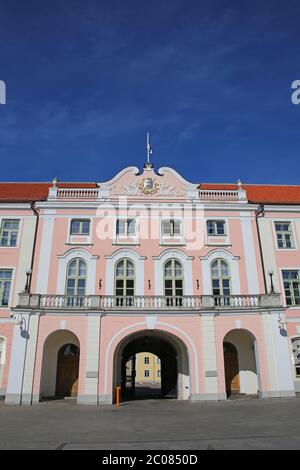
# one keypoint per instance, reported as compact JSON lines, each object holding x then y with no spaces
{"x":166,"y":184}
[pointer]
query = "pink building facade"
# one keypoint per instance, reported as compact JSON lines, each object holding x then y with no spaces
{"x":207,"y":277}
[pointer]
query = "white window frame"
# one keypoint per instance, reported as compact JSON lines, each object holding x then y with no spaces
{"x":76,"y":277}
{"x":172,"y":221}
{"x":2,"y":219}
{"x":81,"y":221}
{"x":215,"y":225}
{"x":217,"y":240}
{"x":187,"y":263}
{"x":220,"y":277}
{"x":292,"y":234}
{"x":126,"y":238}
{"x":172,"y":240}
{"x":293,"y":306}
{"x":173,"y":278}
{"x":80,"y":239}
{"x":126,"y":221}
{"x":146,"y":376}
{"x":91,"y":262}
{"x":139,"y":265}
{"x":125,"y":278}
{"x":9,"y":268}
{"x":233,"y":263}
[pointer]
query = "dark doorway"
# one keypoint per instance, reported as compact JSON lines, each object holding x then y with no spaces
{"x":231,"y":363}
{"x":67,"y":371}
{"x":168,"y":369}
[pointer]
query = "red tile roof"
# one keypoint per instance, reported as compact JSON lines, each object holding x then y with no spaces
{"x":266,"y":194}
{"x":25,"y":192}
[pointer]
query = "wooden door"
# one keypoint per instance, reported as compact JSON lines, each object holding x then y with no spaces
{"x":231,"y":361}
{"x":67,"y":371}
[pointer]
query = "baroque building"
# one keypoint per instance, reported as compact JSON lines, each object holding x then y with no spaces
{"x":206,"y":277}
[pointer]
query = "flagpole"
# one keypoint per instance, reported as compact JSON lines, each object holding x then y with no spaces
{"x":148,"y":148}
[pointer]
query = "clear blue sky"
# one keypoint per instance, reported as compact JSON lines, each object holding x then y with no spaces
{"x":209,"y":79}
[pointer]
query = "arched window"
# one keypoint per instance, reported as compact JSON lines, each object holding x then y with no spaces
{"x":76,"y":281}
{"x":220,"y":275}
{"x":296,"y":354}
{"x":173,"y":282}
{"x":124,"y":282}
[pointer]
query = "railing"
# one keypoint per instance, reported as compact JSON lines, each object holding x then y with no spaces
{"x":146,"y":302}
{"x":219,"y":195}
{"x":65,"y":301}
{"x":236,"y":301}
{"x":77,"y":193}
{"x":151,"y":302}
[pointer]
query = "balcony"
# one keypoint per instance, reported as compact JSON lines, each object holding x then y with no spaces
{"x":108,"y":303}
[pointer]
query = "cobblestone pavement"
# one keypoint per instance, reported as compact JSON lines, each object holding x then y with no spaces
{"x":153,"y":424}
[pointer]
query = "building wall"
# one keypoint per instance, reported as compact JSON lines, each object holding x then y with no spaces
{"x":198,"y":336}
{"x":153,"y":366}
{"x":18,"y":259}
{"x":279,"y":259}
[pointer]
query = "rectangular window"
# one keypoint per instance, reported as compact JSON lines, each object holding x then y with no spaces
{"x":5,"y":285}
{"x":284,"y":234}
{"x":216,"y":227}
{"x":171,"y":228}
{"x":146,"y":360}
{"x":9,"y":232}
{"x":80,"y":227}
{"x":291,"y":282}
{"x":158,"y":373}
{"x":158,"y":360}
{"x":126,"y":227}
{"x":146,"y":373}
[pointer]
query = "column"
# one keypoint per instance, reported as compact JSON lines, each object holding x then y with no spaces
{"x":90,"y":396}
{"x":281,"y":383}
{"x":17,"y":360}
{"x":210,"y":359}
{"x":26,"y":398}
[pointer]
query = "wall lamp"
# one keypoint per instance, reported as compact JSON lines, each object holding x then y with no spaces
{"x":198,"y":285}
{"x":271,"y":274}
{"x":100,"y":284}
{"x":27,"y":285}
{"x":281,"y":321}
{"x":149,"y":284}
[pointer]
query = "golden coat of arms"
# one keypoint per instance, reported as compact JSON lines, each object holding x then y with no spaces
{"x":149,"y":185}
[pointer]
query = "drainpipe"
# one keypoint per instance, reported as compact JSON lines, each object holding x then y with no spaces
{"x":36,"y":213}
{"x":261,"y":212}
{"x":32,"y":206}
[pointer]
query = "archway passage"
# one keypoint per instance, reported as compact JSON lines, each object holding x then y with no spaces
{"x":169,"y":354}
{"x":240,"y":363}
{"x":60,"y":365}
{"x":67,"y":371}
{"x":143,"y":375}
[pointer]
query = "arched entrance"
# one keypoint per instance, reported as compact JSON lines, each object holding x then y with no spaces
{"x":174,"y":365}
{"x":67,"y":371}
{"x":240,"y":363}
{"x":60,"y":366}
